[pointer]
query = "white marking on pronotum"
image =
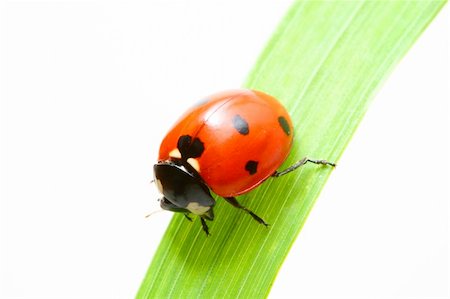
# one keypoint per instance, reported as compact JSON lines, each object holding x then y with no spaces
{"x":159,"y":186}
{"x":175,"y":153}
{"x":194,"y":163}
{"x":196,"y":208}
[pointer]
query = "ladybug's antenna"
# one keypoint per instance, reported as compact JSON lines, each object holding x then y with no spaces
{"x":154,"y":212}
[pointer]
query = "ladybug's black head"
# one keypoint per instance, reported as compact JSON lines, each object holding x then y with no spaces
{"x":182,"y":191}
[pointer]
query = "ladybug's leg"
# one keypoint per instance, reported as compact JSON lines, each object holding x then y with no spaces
{"x":205,"y":226}
{"x":236,"y":204}
{"x":187,"y":217}
{"x":301,"y":163}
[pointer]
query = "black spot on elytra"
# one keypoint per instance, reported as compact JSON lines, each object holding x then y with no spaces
{"x":284,"y":125}
{"x":240,"y":124}
{"x":190,"y":148}
{"x":251,"y":166}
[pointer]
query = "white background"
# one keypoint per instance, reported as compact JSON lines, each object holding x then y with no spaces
{"x":89,"y":88}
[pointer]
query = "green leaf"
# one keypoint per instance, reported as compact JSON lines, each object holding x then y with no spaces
{"x":324,"y":62}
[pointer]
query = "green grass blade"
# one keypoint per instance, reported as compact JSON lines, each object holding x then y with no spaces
{"x":324,"y":62}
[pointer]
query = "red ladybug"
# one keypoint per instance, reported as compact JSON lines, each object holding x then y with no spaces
{"x":229,"y":143}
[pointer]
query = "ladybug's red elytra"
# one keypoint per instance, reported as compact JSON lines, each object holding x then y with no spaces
{"x":230,"y":143}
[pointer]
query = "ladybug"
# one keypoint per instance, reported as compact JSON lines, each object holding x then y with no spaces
{"x":229,"y":143}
